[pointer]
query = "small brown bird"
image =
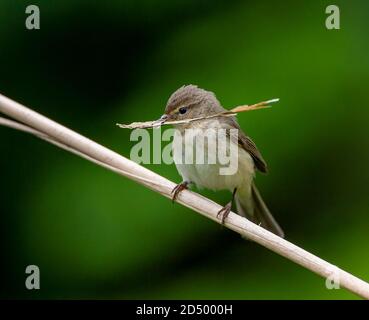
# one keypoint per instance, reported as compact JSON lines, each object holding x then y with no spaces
{"x":190,"y":102}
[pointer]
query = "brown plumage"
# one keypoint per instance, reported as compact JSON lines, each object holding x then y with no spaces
{"x":190,"y":102}
{"x":191,"y":96}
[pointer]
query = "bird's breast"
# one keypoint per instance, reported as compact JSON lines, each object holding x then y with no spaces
{"x":201,"y":159}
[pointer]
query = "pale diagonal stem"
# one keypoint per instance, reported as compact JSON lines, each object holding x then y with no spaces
{"x":21,"y":127}
{"x":69,"y":140}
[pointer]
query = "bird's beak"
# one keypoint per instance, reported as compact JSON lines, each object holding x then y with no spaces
{"x":163,"y":118}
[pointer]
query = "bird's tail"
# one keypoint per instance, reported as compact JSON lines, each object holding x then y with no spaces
{"x":251,"y":205}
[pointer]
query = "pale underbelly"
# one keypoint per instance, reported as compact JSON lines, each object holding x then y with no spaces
{"x":213,"y":172}
{"x":210,"y":176}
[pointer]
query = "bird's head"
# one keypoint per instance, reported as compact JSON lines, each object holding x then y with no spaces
{"x":190,"y":102}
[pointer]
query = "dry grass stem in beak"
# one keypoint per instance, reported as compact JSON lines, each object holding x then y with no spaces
{"x":164,"y":118}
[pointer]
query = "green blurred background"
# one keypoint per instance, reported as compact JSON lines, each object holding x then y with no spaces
{"x":95,"y":234}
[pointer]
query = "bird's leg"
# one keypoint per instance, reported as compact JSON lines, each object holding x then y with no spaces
{"x":178,"y":188}
{"x":224,"y":212}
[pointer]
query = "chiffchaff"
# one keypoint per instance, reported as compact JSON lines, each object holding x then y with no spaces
{"x":190,"y":102}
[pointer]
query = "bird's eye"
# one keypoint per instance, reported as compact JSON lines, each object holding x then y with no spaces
{"x":182,"y":110}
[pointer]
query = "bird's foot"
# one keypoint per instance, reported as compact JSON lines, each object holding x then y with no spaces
{"x":224,"y":212}
{"x":178,"y":188}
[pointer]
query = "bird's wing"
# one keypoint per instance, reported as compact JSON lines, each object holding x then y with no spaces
{"x":248,"y":145}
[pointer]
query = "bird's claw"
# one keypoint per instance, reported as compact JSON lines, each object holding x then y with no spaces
{"x":224,"y":212}
{"x":178,"y":188}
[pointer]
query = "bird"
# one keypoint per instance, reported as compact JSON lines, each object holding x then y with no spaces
{"x":191,"y":102}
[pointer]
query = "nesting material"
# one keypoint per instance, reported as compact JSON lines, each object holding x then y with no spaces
{"x":227,"y":113}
